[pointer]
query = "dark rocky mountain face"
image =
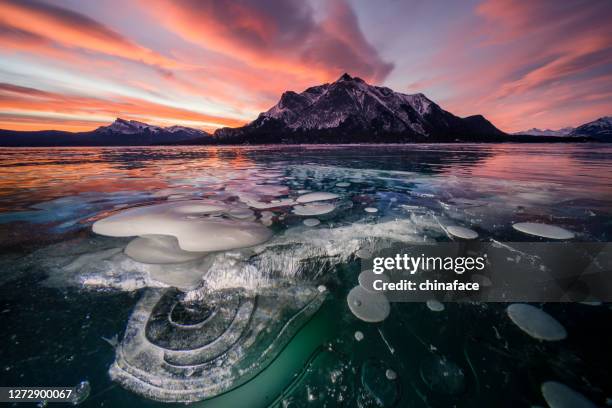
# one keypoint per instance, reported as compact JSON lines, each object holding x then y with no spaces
{"x":600,"y":129}
{"x":119,"y":133}
{"x":350,"y":110}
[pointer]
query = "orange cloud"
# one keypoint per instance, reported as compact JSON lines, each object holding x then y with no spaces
{"x":75,"y":30}
{"x":34,"y":109}
{"x":277,"y":36}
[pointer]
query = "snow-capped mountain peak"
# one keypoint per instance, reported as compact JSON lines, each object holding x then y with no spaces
{"x":600,"y":129}
{"x":129,"y":127}
{"x":546,"y":132}
{"x":134,"y":127}
{"x":328,"y":105}
{"x":351,"y":106}
{"x":184,"y":129}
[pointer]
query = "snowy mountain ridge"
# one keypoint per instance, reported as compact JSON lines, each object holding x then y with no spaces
{"x":350,"y":110}
{"x":546,"y":132}
{"x":132,"y":127}
{"x":600,"y":129}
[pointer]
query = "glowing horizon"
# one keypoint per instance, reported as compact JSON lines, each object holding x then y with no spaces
{"x":71,"y":65}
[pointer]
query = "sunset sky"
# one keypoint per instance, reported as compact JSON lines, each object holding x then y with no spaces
{"x":75,"y":65}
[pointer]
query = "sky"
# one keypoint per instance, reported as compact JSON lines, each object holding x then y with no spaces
{"x":78,"y":64}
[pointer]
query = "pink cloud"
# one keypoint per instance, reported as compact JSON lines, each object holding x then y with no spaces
{"x":36,"y":21}
{"x":526,"y":63}
{"x":277,"y":36}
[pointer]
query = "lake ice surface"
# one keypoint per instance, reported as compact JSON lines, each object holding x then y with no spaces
{"x":50,"y":198}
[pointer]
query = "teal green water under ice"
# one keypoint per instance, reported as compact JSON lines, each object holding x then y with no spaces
{"x":65,"y":292}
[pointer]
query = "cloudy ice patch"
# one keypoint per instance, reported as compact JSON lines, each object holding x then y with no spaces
{"x":369,"y":306}
{"x":311,"y":222}
{"x":297,"y":254}
{"x":367,"y":278}
{"x":543,"y":230}
{"x":461,"y":232}
{"x":559,"y":395}
{"x":536,"y":322}
{"x":318,"y":196}
{"x":159,"y":249}
{"x":435,"y":305}
{"x":311,"y":209}
{"x":193,"y":223}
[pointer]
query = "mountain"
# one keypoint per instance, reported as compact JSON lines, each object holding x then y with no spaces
{"x":600,"y":129}
{"x":351,"y":110}
{"x":348,"y":110}
{"x":119,"y":133}
{"x":128,"y":127}
{"x":546,"y":132}
{"x":133,"y":131}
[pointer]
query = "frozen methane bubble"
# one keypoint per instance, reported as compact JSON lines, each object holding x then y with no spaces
{"x":375,"y":382}
{"x":191,"y":222}
{"x":175,"y":350}
{"x":442,"y":375}
{"x":159,"y":249}
{"x":543,"y":230}
{"x":254,"y":202}
{"x":536,"y":322}
{"x":591,"y":302}
{"x":313,"y":209}
{"x":241,"y":213}
{"x":559,"y":395}
{"x":311,"y":222}
{"x":366,"y":279}
{"x":435,"y":305}
{"x":318,"y":196}
{"x":390,"y":374}
{"x":461,"y":232}
{"x":371,"y":307}
{"x":81,"y":392}
{"x":371,"y":210}
{"x":270,"y":189}
{"x":358,"y":335}
{"x":267,"y":218}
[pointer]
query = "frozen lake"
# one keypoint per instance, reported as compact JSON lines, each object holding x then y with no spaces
{"x":63,"y":287}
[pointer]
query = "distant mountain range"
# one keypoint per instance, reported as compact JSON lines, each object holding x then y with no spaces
{"x":348,"y":110}
{"x":119,"y":133}
{"x":599,"y":129}
{"x":545,"y":132}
